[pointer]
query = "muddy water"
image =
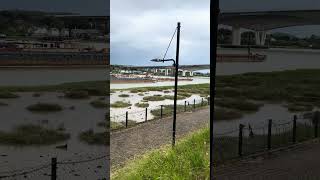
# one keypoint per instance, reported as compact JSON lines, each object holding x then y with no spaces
{"x":276,"y":112}
{"x":82,"y":118}
{"x":138,"y":114}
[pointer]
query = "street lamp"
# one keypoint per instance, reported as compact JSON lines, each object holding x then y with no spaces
{"x":176,"y":65}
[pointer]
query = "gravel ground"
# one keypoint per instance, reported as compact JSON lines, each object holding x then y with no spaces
{"x":128,"y":143}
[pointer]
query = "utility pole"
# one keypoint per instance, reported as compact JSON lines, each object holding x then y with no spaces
{"x":214,"y":14}
{"x":176,"y":86}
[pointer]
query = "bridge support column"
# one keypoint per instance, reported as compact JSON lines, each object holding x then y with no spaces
{"x":260,"y":37}
{"x":236,"y":36}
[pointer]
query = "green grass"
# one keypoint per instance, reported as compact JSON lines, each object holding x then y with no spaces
{"x":120,"y":104}
{"x":184,"y":162}
{"x":77,"y":94}
{"x":7,"y":95}
{"x":97,"y":88}
{"x":172,"y":97}
{"x":299,"y":107}
{"x":36,"y":94}
{"x":32,"y":135}
{"x":44,"y":107}
{"x":238,"y":104}
{"x":154,"y":98}
{"x":94,"y":138}
{"x":227,"y":114}
{"x":124,"y":95}
{"x":99,"y":104}
{"x":142,"y":105}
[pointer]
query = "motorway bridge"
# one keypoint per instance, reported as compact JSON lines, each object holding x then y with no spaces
{"x":262,"y":21}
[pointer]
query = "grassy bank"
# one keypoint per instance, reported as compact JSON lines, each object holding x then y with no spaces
{"x":183,"y":162}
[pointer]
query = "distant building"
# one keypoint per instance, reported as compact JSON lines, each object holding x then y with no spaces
{"x":85,"y":33}
{"x":170,"y":72}
{"x":53,"y":32}
{"x":38,"y":32}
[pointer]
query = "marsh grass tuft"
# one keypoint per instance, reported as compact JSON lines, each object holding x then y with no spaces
{"x":32,"y":135}
{"x":45,"y":107}
{"x":120,"y":104}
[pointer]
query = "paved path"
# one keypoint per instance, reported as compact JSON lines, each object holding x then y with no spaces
{"x":299,"y":163}
{"x":137,"y":140}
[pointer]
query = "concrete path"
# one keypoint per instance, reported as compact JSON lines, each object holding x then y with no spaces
{"x":127,"y":143}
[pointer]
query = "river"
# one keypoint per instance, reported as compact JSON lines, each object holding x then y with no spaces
{"x":277,"y":60}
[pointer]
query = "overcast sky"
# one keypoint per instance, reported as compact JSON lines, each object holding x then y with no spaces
{"x":141,"y":29}
{"x":84,"y":7}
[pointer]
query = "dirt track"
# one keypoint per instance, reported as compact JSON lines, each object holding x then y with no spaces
{"x":137,"y":140}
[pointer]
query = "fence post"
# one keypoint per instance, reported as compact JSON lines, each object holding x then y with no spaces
{"x":240,"y":139}
{"x":146,"y":114}
{"x":126,"y":119}
{"x":194,"y":103}
{"x":161,"y":109}
{"x":53,"y":168}
{"x":294,"y":129}
{"x":185,"y":106}
{"x":269,"y":133}
{"x":316,"y":121}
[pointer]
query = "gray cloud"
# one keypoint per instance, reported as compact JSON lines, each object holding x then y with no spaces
{"x":141,"y":30}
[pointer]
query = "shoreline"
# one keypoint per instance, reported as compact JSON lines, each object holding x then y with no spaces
{"x":55,"y":67}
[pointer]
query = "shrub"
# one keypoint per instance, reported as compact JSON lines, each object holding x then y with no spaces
{"x":124,"y":95}
{"x":77,"y":94}
{"x":92,"y":137}
{"x":45,"y":107}
{"x":99,"y":104}
{"x":120,"y":104}
{"x":7,"y":95}
{"x":142,"y":105}
{"x":154,"y":98}
{"x":32,"y":135}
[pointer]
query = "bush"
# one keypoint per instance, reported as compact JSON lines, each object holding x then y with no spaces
{"x":226,"y":114}
{"x":45,"y":107}
{"x":91,"y":137}
{"x":172,"y":97}
{"x":239,"y":104}
{"x":77,"y":94}
{"x":120,"y":104}
{"x":154,"y":98}
{"x":7,"y":95}
{"x":142,"y":105}
{"x":99,"y":104}
{"x":32,"y":135}
{"x":124,"y":95}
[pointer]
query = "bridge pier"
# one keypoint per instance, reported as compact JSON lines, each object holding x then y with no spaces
{"x":260,"y":37}
{"x":236,"y":36}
